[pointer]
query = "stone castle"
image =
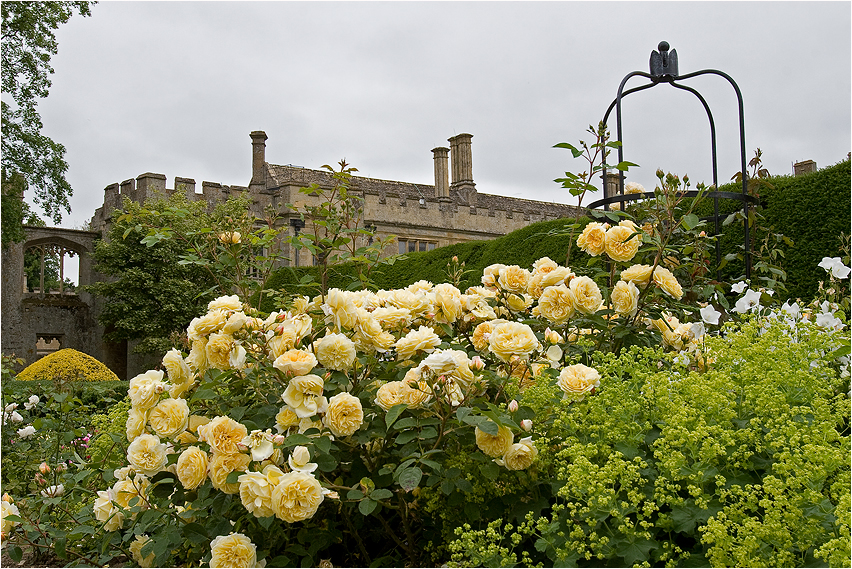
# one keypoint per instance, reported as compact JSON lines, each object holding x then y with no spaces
{"x":422,"y":217}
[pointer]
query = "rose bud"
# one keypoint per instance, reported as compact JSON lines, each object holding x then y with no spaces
{"x":43,"y":468}
{"x":513,"y":406}
{"x":526,"y":425}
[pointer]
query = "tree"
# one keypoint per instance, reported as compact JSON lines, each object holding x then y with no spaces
{"x":30,"y":160}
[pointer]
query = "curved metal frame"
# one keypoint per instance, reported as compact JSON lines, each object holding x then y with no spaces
{"x":657,"y":79}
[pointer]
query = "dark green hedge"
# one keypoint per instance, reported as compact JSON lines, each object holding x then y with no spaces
{"x":813,"y":210}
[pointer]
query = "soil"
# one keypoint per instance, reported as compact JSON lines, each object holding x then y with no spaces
{"x":29,"y":559}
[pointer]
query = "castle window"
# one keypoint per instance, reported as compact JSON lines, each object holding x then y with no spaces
{"x":414,"y":245}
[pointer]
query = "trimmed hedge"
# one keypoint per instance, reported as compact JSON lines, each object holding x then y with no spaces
{"x":813,"y":210}
{"x":67,"y":364}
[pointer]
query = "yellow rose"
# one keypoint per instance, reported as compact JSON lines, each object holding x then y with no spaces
{"x":389,"y":394}
{"x":340,"y":310}
{"x":490,"y":274}
{"x":295,"y":362}
{"x":448,"y":305}
{"x":450,"y":363}
{"x":512,"y":339}
{"x":145,"y":389}
{"x":671,"y":330}
{"x":336,"y":351}
{"x":296,"y":497}
{"x":136,"y":421}
{"x":587,"y":295}
{"x":513,"y":279}
{"x":578,"y":379}
{"x":304,"y":395}
{"x":207,"y":324}
{"x":236,"y":321}
{"x":197,"y":358}
{"x":344,"y":415}
{"x":283,"y":340}
{"x":637,"y":274}
{"x":223,"y":434}
{"x":667,"y":281}
{"x":127,"y":489}
{"x":558,"y":276}
{"x":8,"y":509}
{"x":192,"y":468}
{"x":482,"y":333}
{"x":177,"y":369}
{"x":556,"y":304}
{"x":136,"y":551}
{"x":231,"y":302}
{"x":219,"y":347}
{"x":285,"y":419}
{"x":625,"y":298}
{"x":520,"y":455}
{"x":617,"y":244}
{"x":233,"y":550}
{"x":146,"y":454}
{"x":519,"y":303}
{"x":544,"y":265}
{"x":423,"y":339}
{"x":221,"y":465}
{"x":256,"y":490}
{"x":169,"y":417}
{"x":494,"y":445}
{"x":106,"y":511}
{"x":415,"y":303}
{"x":414,"y":391}
{"x":593,"y":239}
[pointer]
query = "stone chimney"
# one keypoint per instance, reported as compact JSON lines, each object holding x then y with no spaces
{"x":804,"y":167}
{"x":462,"y":160}
{"x":442,"y":173}
{"x":258,"y":160}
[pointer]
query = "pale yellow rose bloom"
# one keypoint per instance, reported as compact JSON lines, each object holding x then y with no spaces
{"x":559,"y":275}
{"x":664,"y":279}
{"x":221,"y":465}
{"x":256,"y":490}
{"x":304,"y":395}
{"x":405,"y":299}
{"x":211,"y":322}
{"x":389,"y":394}
{"x":223,"y":434}
{"x":670,"y":328}
{"x":145,"y":389}
{"x":192,"y":468}
{"x":618,"y":246}
{"x":557,"y":304}
{"x":391,"y":316}
{"x":285,"y":419}
{"x":494,"y":445}
{"x":8,"y":509}
{"x":136,"y":551}
{"x":296,"y":497}
{"x":341,"y":312}
{"x":482,"y":333}
{"x":512,"y":339}
{"x":284,"y":339}
{"x":127,"y":489}
{"x":423,"y":339}
{"x":233,"y":550}
{"x":544,"y":265}
{"x":625,"y":298}
{"x":295,"y":362}
{"x":146,"y":454}
{"x":169,"y":417}
{"x":578,"y":378}
{"x":219,"y":347}
{"x":587,"y":295}
{"x":637,"y":274}
{"x":176,"y":368}
{"x":197,"y":358}
{"x":344,"y":415}
{"x":513,"y":279}
{"x":136,"y":421}
{"x":593,"y":239}
{"x":231,"y":302}
{"x":106,"y":511}
{"x":415,"y":392}
{"x":520,"y":455}
{"x":336,"y":351}
{"x":451,"y":363}
{"x":448,"y":306}
{"x":236,"y":322}
{"x":490,"y":274}
{"x":519,"y":303}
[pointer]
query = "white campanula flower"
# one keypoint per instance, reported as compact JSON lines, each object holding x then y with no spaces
{"x":710,"y":315}
{"x":829,"y":320}
{"x":835,"y":266}
{"x":749,"y":302}
{"x":26,"y":432}
{"x":792,"y":309}
{"x":739,"y":287}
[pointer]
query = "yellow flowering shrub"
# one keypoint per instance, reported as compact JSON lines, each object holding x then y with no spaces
{"x":69,"y":365}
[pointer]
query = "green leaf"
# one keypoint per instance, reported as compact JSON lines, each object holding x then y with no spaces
{"x":490,"y":470}
{"x":367,"y":506}
{"x":624,"y":165}
{"x":323,"y":444}
{"x":354,"y":494}
{"x":381,"y":494}
{"x":409,"y":478}
{"x":394,"y":413}
{"x":689,"y":221}
{"x":195,"y":533}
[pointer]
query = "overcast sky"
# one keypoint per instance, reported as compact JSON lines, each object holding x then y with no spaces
{"x":176,"y":87}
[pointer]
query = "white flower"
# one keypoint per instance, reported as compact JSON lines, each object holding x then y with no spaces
{"x":697,"y":329}
{"x":15,"y":417}
{"x":526,"y":425}
{"x":33,"y":401}
{"x":792,"y":309}
{"x":299,"y":460}
{"x":824,"y":320}
{"x":260,"y":443}
{"x":739,"y":287}
{"x":749,"y":301}
{"x":835,"y":266}
{"x":10,"y":407}
{"x":53,"y":491}
{"x":710,"y":315}
{"x":26,"y":432}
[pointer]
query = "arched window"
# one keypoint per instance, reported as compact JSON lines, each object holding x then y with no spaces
{"x":51,"y":268}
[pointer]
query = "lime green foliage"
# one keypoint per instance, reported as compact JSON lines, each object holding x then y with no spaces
{"x":70,"y":365}
{"x":792,"y":206}
{"x":107,"y":447}
{"x":745,"y":465}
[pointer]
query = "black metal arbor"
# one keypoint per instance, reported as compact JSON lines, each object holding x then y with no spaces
{"x":663,"y":69}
